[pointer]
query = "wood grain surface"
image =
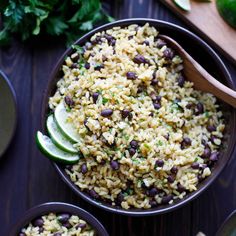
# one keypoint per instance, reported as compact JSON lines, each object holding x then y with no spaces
{"x":27,"y":178}
{"x":205,"y":18}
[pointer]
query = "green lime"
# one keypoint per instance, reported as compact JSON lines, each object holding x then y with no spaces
{"x":49,"y":149}
{"x":62,"y":119}
{"x":183,"y":4}
{"x":227,"y":9}
{"x":58,"y":138}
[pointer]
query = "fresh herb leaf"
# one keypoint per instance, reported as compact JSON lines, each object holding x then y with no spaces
{"x":105,"y":100}
{"x":68,"y":18}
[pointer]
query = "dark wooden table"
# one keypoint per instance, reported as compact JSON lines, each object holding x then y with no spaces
{"x":28,"y":179}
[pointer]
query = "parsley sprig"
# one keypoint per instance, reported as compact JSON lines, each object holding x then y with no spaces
{"x":67,"y":18}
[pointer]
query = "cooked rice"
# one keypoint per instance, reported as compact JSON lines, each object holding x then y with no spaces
{"x":138,"y":179}
{"x":52,"y":226}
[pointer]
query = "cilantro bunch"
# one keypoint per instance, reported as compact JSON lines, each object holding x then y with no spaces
{"x":67,"y":18}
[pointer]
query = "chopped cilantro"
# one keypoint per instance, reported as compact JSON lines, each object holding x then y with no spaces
{"x":126,"y":136}
{"x":104,"y":100}
{"x":196,"y":159}
{"x":78,"y":48}
{"x":159,"y":143}
{"x":207,"y":114}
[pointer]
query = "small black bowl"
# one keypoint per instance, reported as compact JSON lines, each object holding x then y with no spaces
{"x":57,"y":207}
{"x":8,"y":113}
{"x":202,"y":53}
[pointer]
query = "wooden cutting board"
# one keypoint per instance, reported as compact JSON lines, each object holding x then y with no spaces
{"x":205,"y":18}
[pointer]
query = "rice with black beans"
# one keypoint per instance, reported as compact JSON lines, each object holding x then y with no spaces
{"x":58,"y":225}
{"x":147,"y":136}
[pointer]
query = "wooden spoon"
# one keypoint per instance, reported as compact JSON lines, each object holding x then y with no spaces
{"x":200,"y":77}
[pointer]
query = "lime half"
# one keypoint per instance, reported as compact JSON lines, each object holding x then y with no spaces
{"x":58,"y":138}
{"x":48,"y":148}
{"x":183,"y":4}
{"x":62,"y":119}
{"x":227,"y":9}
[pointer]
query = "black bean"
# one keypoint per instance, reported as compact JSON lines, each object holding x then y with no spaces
{"x":106,"y":112}
{"x":186,"y":142}
{"x":67,"y":225}
{"x":154,"y":82}
{"x":63,"y":218}
{"x":112,"y":42}
{"x":159,"y":163}
{"x":190,"y":105}
{"x":171,"y":179}
{"x":181,"y":81}
{"x":130,"y":37}
{"x":69,"y":101}
{"x":211,"y":128}
{"x":160,"y":43}
{"x":110,"y":39}
{"x":180,"y":188}
{"x":57,"y":234}
{"x":120,"y":198}
{"x":195,"y":165}
{"x":99,"y":67}
{"x":84,"y":168}
{"x":157,"y":106}
{"x":153,"y":96}
{"x":132,"y":151}
{"x":166,"y":199}
{"x":74,"y":66}
{"x":206,"y":153}
{"x":140,"y":59}
{"x":131,"y":75}
{"x":174,"y":170}
{"x":200,"y":178}
{"x":168,"y":53}
{"x":103,"y":162}
{"x":81,"y":226}
{"x":134,"y":144}
{"x":214,"y":156}
{"x":153,"y":192}
{"x":125,"y":113}
{"x":199,"y":108}
{"x":95,"y":97}
{"x":151,"y":114}
{"x":38,"y":222}
{"x":146,"y":42}
{"x":93,"y":194}
{"x":41,"y":229}
{"x":158,"y":98}
{"x":96,"y":40}
{"x":114,"y":165}
{"x":153,"y":203}
{"x":87,"y":65}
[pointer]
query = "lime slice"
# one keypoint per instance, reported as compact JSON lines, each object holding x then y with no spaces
{"x":67,"y":128}
{"x":183,"y":4}
{"x":48,"y":148}
{"x":58,"y":138}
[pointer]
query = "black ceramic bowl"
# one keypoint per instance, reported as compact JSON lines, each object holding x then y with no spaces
{"x":208,"y":59}
{"x":57,"y":207}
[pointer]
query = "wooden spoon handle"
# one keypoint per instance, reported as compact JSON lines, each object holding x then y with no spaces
{"x":211,"y":85}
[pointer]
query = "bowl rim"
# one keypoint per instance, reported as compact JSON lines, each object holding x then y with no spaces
{"x":56,"y":207}
{"x":14,"y":99}
{"x":190,"y":196}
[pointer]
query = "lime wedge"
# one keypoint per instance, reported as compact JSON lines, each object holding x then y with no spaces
{"x":48,"y":148}
{"x":66,"y":127}
{"x":183,"y":4}
{"x":58,"y":138}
